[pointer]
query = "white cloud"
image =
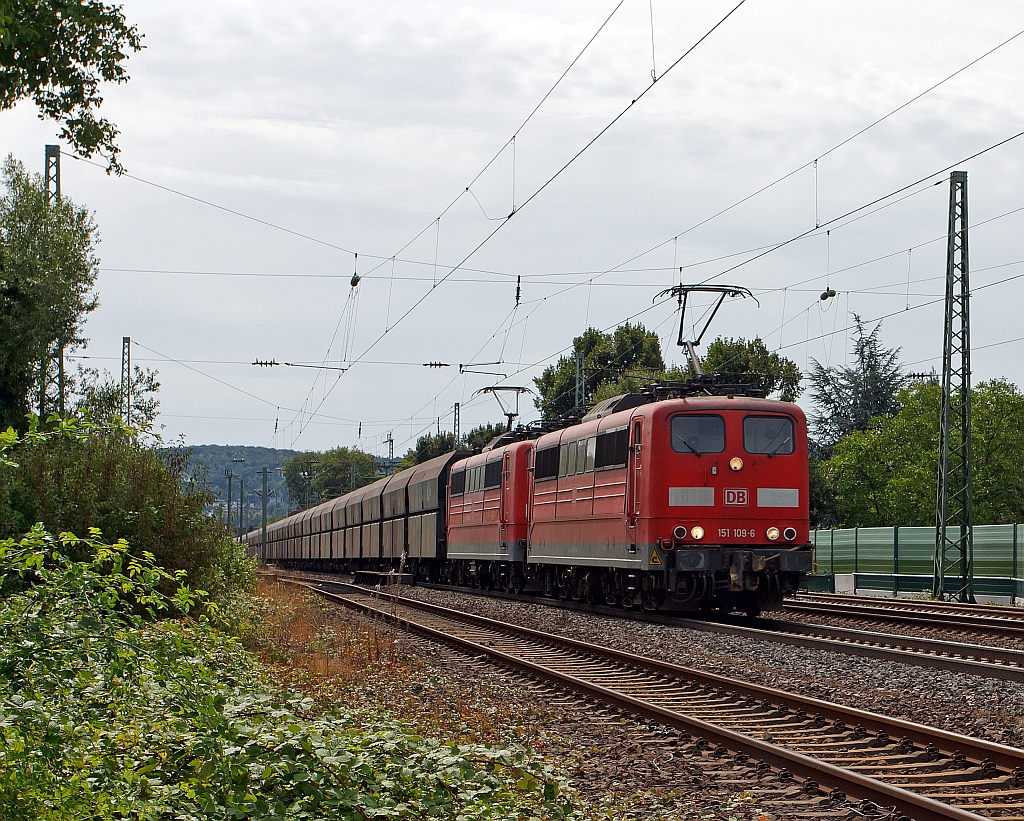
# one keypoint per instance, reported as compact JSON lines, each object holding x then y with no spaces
{"x":357,"y":123}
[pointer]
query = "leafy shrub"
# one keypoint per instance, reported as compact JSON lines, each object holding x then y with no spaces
{"x":106,"y":712}
{"x":74,"y":476}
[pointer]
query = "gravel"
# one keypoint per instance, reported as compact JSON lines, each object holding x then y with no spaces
{"x":617,"y":767}
{"x":971,"y":705}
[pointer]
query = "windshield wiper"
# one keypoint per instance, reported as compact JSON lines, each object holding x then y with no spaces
{"x":687,"y":445}
{"x":771,"y":453}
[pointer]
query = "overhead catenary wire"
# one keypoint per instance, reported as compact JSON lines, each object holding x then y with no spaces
{"x":593,"y":274}
{"x":593,"y":283}
{"x":335,"y":246}
{"x":825,"y":153}
{"x":811,"y":231}
{"x":549,"y":181}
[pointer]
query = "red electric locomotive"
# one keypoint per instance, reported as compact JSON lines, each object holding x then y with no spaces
{"x":488,"y":517}
{"x":683,"y":504}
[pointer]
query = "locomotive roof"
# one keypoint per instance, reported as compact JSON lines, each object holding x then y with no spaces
{"x":492,"y":454}
{"x":620,"y":418}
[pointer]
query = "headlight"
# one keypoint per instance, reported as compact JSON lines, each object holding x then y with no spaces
{"x":697,"y":532}
{"x":679,"y":532}
{"x":789,"y":533}
{"x":772,"y":534}
{"x":736,"y":463}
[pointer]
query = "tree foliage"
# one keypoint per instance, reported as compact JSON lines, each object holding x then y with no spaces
{"x":431,"y":445}
{"x":630,"y":351}
{"x":75,"y":477}
{"x":427,"y":447}
{"x":738,"y":361}
{"x":47,"y":271}
{"x":886,"y":475}
{"x":630,"y":358}
{"x":57,"y":53}
{"x":312,"y":477}
{"x":101,"y":398}
{"x":849,"y":398}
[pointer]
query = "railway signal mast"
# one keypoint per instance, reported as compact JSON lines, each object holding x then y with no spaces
{"x":954,"y":504}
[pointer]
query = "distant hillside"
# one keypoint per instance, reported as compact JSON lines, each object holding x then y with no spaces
{"x":218,"y":458}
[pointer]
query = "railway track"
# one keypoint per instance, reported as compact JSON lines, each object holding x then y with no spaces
{"x":897,"y":769}
{"x":957,"y":657}
{"x":999,"y":611}
{"x":897,"y":611}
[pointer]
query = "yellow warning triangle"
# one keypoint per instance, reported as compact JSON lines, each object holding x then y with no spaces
{"x":655,"y":558}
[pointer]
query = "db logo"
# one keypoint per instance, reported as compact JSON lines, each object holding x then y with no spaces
{"x":736,"y":496}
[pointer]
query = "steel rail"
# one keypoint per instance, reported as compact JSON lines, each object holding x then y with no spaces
{"x":1012,"y":627}
{"x":987,"y":754}
{"x":998,"y":610}
{"x":961,"y":657}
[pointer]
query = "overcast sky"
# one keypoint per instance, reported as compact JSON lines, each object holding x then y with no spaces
{"x":357,"y":124}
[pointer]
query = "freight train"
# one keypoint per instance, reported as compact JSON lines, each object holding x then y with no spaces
{"x":671,"y":500}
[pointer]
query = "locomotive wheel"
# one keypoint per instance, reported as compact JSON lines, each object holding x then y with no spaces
{"x":651,"y":599}
{"x":564,"y":585}
{"x":593,"y":589}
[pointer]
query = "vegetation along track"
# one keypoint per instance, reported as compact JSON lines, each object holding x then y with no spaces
{"x":923,"y":773}
{"x":1005,"y":621}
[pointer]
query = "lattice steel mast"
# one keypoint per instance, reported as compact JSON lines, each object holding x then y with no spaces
{"x":954,"y":504}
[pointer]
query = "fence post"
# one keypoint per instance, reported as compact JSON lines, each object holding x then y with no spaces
{"x":896,"y":560}
{"x":1013,"y":570}
{"x":832,"y":551}
{"x":856,"y":555}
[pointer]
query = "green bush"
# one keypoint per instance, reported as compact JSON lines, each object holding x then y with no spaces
{"x":75,"y":476}
{"x":107,"y":712}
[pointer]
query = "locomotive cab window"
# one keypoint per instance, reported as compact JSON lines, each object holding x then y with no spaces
{"x":458,"y":482}
{"x":768,"y":434}
{"x":698,"y":434}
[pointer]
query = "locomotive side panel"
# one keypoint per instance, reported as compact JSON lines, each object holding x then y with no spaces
{"x":579,"y":500}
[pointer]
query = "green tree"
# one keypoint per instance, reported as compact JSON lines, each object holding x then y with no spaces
{"x":101,"y":397}
{"x":849,"y":398}
{"x":427,"y":447}
{"x":738,"y":361}
{"x":47,"y":270}
{"x":78,"y":477}
{"x":629,"y":351}
{"x":479,"y":436}
{"x":431,"y":445}
{"x":343,"y":469}
{"x":57,"y":53}
{"x":886,"y":475}
{"x":313,"y":477}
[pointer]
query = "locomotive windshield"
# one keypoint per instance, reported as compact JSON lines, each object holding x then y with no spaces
{"x":768,"y":434}
{"x":698,"y":434}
